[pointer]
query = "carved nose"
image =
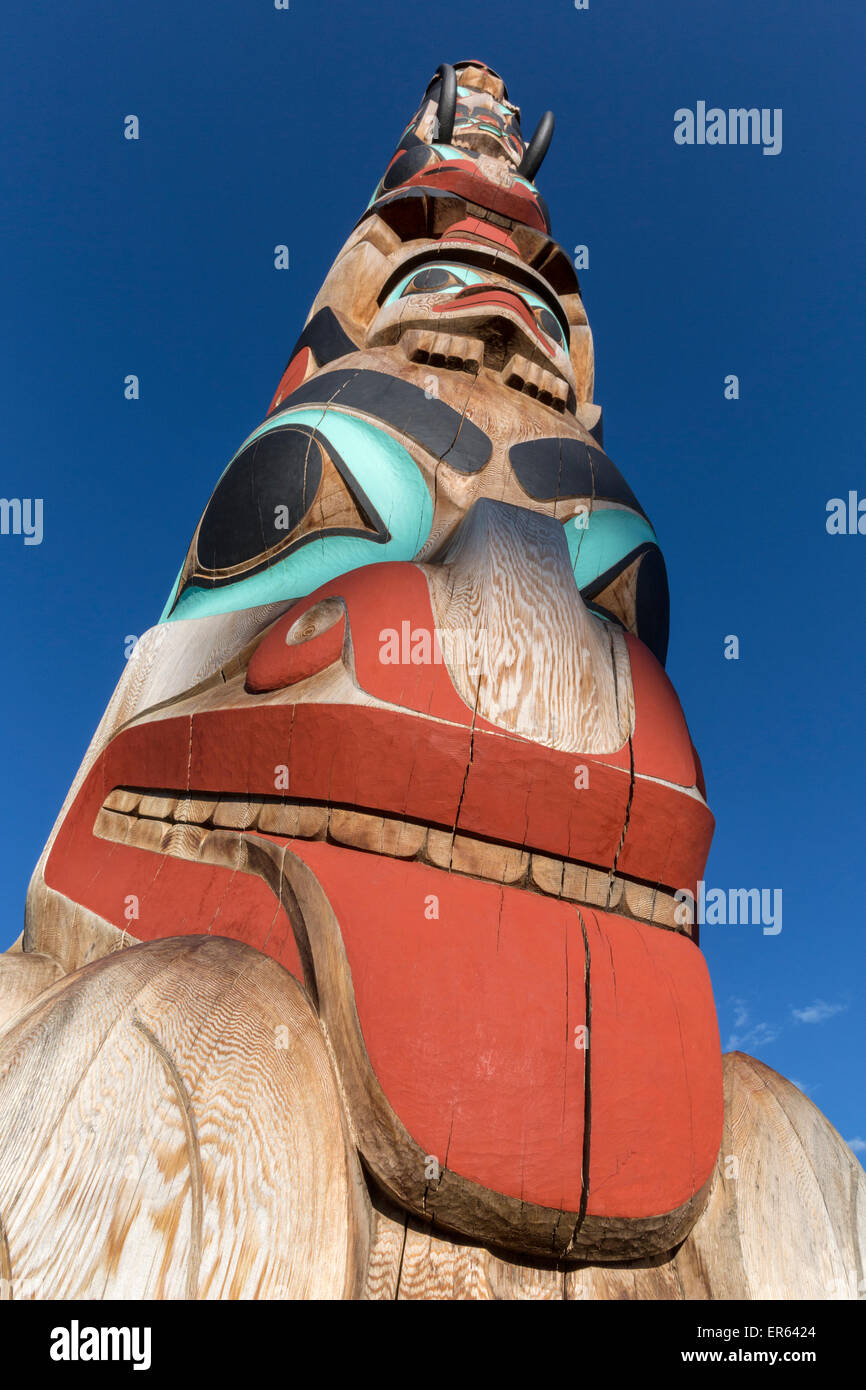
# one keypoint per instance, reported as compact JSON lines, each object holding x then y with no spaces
{"x":504,"y":572}
{"x":484,"y":296}
{"x":503,"y":323}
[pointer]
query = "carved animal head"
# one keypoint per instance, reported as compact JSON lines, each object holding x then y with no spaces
{"x":404,"y":725}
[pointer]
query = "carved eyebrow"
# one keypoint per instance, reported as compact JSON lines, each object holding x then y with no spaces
{"x":556,"y":466}
{"x":442,"y":431}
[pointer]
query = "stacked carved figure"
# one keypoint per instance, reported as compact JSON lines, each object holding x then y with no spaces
{"x":356,"y":965}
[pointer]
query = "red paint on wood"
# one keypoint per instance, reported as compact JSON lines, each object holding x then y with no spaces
{"x":463,"y":179}
{"x":468,"y":1018}
{"x":470,"y":1021}
{"x":473,"y":228}
{"x":668,"y":836}
{"x":656,"y":1069}
{"x":464,"y":1014}
{"x":292,"y":377}
{"x":481,"y":296}
{"x":662,"y":746}
{"x":174,"y":897}
{"x":522,"y":793}
{"x":404,"y":764}
{"x":276,"y":664}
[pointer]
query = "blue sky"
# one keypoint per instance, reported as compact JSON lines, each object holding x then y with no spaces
{"x":261,"y":127}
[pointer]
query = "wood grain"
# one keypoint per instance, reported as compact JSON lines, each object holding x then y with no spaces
{"x":547,"y":669}
{"x":69,"y":932}
{"x":181,"y":1097}
{"x":175,"y":1103}
{"x":23,"y":977}
{"x":787,"y":1214}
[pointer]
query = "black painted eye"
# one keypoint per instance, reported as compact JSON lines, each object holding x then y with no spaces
{"x":550,"y":324}
{"x":280,"y":470}
{"x":410,"y":162}
{"x":435,"y":277}
{"x":429,"y":279}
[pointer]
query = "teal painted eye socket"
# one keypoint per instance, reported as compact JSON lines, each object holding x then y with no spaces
{"x":546,"y":319}
{"x":387,"y":475}
{"x":603,"y":539}
{"x":436,"y":277}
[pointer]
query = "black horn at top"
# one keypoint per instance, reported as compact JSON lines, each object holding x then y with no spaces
{"x":537,"y":147}
{"x":447,"y":108}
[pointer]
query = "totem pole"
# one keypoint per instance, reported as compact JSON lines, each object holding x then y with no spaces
{"x":360,"y":961}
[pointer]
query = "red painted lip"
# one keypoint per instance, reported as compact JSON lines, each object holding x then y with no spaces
{"x":394,"y":764}
{"x":507,"y":299}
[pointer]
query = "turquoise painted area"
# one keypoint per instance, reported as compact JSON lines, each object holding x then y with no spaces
{"x":392,"y":481}
{"x":460,"y":272}
{"x":537,"y":304}
{"x":608,"y":536}
{"x":471,"y":123}
{"x":171,"y":598}
{"x":451,"y":152}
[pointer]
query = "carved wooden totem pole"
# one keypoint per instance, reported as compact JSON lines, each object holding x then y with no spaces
{"x":353,"y":966}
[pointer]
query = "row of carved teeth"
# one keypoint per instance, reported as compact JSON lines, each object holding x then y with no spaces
{"x":463,"y":354}
{"x":522,"y":375}
{"x":452,"y":350}
{"x":180,"y":825}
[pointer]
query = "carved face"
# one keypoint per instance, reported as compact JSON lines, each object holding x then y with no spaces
{"x":404,"y":726}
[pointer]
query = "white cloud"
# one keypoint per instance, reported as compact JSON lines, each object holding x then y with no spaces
{"x":818,"y":1012}
{"x":857,"y":1146}
{"x":747,"y":1035}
